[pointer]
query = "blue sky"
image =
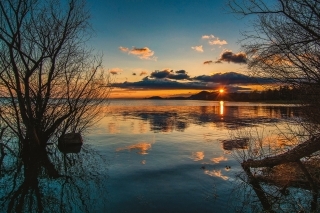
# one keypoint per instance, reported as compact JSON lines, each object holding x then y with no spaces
{"x":140,"y":37}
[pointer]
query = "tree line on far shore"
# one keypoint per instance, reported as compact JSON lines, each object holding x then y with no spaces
{"x":283,"y":93}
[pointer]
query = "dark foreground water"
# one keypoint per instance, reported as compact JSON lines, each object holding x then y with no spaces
{"x":157,"y":156}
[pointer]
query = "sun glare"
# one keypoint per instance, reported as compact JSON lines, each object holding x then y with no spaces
{"x":221,"y":90}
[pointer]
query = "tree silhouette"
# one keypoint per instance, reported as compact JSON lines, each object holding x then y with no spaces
{"x":50,"y":81}
{"x":284,"y":45}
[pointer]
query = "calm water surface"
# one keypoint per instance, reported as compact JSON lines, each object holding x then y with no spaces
{"x":174,"y":156}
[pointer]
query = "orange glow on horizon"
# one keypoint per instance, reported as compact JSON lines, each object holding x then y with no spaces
{"x":221,"y":90}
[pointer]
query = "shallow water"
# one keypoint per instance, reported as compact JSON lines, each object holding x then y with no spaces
{"x":173,"y":156}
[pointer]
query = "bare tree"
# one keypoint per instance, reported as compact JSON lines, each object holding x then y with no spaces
{"x":285,"y":45}
{"x":50,"y":81}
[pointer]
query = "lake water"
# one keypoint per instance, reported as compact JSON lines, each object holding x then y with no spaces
{"x":176,"y":156}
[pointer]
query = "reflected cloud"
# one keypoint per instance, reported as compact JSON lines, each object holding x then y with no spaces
{"x":216,"y":173}
{"x":219,"y":159}
{"x":240,"y":143}
{"x":197,"y":156}
{"x":141,"y":147}
{"x":112,"y":128}
{"x":179,"y":118}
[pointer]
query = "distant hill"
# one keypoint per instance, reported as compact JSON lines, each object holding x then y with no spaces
{"x":155,"y":97}
{"x":283,"y":93}
{"x":204,"y":95}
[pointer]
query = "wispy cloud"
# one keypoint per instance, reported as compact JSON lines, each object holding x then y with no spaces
{"x":217,"y":41}
{"x":124,"y":49}
{"x":142,"y":53}
{"x":115,"y":71}
{"x":229,"y":56}
{"x":197,"y":48}
{"x":143,"y":73}
{"x":207,"y":62}
{"x":207,"y":36}
{"x":213,"y":40}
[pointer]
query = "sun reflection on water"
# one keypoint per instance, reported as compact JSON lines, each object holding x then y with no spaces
{"x":221,"y":104}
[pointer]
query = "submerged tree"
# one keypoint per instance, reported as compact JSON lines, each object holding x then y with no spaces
{"x":51,"y":83}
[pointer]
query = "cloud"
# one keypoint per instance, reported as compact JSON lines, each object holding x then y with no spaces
{"x":170,"y":74}
{"x":197,"y":48}
{"x":207,"y":62}
{"x":160,"y":74}
{"x":169,"y":79}
{"x":231,"y":78}
{"x":148,"y":83}
{"x":214,"y":40}
{"x":229,"y":56}
{"x":181,"y":72}
{"x":142,"y":53}
{"x":124,"y":49}
{"x":152,"y":83}
{"x":207,"y":36}
{"x":217,"y":41}
{"x":143,"y":73}
{"x":115,"y":71}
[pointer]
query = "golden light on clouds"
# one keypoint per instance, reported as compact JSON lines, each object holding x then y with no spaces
{"x":115,"y":71}
{"x":142,"y":53}
{"x":213,"y":40}
{"x":198,"y":48}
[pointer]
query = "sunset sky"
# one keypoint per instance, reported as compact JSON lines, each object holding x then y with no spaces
{"x":169,"y":47}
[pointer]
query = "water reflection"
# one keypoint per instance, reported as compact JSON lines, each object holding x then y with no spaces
{"x":141,"y":147}
{"x":197,"y":156}
{"x":221,"y":107}
{"x":289,"y":187}
{"x":216,"y":173}
{"x":26,"y":188}
{"x":219,"y":159}
{"x":179,"y":118}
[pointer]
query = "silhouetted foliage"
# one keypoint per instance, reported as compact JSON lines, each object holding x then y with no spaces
{"x":50,"y":83}
{"x":284,"y":45}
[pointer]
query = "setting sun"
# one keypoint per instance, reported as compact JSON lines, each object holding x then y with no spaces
{"x":221,"y":91}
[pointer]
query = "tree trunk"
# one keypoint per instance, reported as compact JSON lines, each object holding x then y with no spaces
{"x":302,"y":150}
